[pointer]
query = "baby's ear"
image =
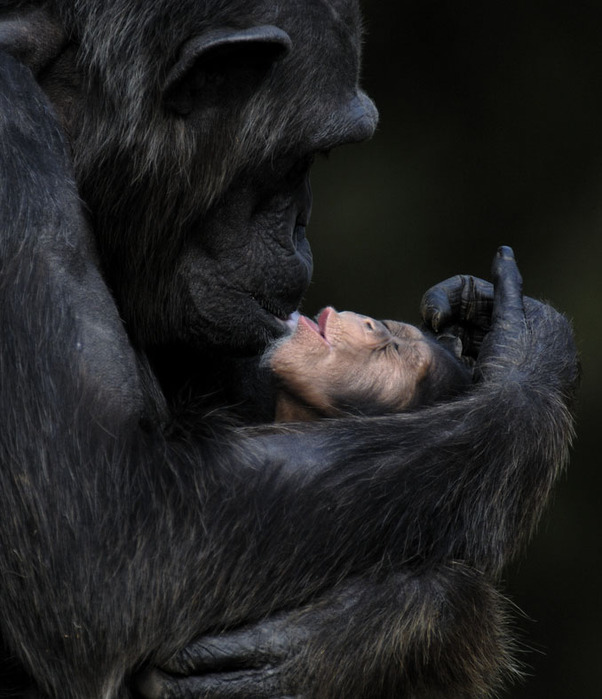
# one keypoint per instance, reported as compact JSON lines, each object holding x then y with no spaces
{"x":452,"y":343}
{"x":417,"y":360}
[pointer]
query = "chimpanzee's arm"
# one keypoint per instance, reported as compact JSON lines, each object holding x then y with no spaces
{"x":477,"y":469}
{"x":462,"y":481}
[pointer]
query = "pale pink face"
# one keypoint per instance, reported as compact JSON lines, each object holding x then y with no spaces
{"x":346,"y":355}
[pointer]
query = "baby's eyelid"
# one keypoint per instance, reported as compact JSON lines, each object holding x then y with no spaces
{"x":386,"y":346}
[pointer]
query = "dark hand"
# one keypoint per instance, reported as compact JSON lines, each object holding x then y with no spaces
{"x":249,"y":663}
{"x":490,"y":319}
{"x":467,"y":307}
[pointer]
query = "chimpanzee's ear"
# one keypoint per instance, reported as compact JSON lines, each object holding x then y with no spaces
{"x":218,"y":52}
{"x":34,"y":37}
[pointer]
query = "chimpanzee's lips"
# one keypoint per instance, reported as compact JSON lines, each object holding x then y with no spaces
{"x":281,"y":311}
{"x":286,"y":319}
{"x":308,"y":322}
{"x":322,"y":319}
{"x":318,"y":328}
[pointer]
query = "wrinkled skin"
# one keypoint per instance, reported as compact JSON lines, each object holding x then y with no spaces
{"x":154,"y":198}
{"x":348,"y":363}
{"x":224,"y":247}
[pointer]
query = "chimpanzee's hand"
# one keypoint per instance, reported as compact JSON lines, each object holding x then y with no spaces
{"x":490,"y":319}
{"x":318,"y":649}
{"x":460,"y":306}
{"x":473,"y":309}
{"x":249,"y":663}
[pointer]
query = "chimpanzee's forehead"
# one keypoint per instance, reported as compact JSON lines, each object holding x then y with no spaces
{"x":342,"y":11}
{"x":303,"y":18}
{"x":118,"y":29}
{"x":316,"y":15}
{"x":234,"y":12}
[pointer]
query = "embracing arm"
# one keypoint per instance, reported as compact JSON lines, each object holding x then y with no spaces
{"x":408,"y":498}
{"x":476,"y":469}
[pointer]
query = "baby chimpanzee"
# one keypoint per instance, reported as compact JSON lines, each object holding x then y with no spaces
{"x":347,"y":363}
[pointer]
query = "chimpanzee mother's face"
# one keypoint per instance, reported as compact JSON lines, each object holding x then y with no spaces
{"x":198,"y":185}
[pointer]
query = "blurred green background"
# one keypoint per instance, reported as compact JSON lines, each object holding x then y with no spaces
{"x":490,"y":133}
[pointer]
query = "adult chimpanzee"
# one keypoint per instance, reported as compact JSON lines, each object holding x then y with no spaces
{"x":349,"y":364}
{"x":361,"y":554}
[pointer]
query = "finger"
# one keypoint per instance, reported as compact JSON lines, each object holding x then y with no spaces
{"x":436,"y":307}
{"x":248,"y":684}
{"x":215,"y":653}
{"x":460,"y":299}
{"x":508,"y":308}
{"x":249,"y":647}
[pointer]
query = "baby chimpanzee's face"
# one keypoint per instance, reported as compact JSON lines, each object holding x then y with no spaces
{"x":349,"y":362}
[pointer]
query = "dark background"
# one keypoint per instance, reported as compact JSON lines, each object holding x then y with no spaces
{"x":490,"y":134}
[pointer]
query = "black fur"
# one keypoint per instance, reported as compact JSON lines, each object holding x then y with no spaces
{"x":361,"y":554}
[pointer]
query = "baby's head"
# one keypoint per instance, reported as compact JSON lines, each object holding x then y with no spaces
{"x":346,"y":363}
